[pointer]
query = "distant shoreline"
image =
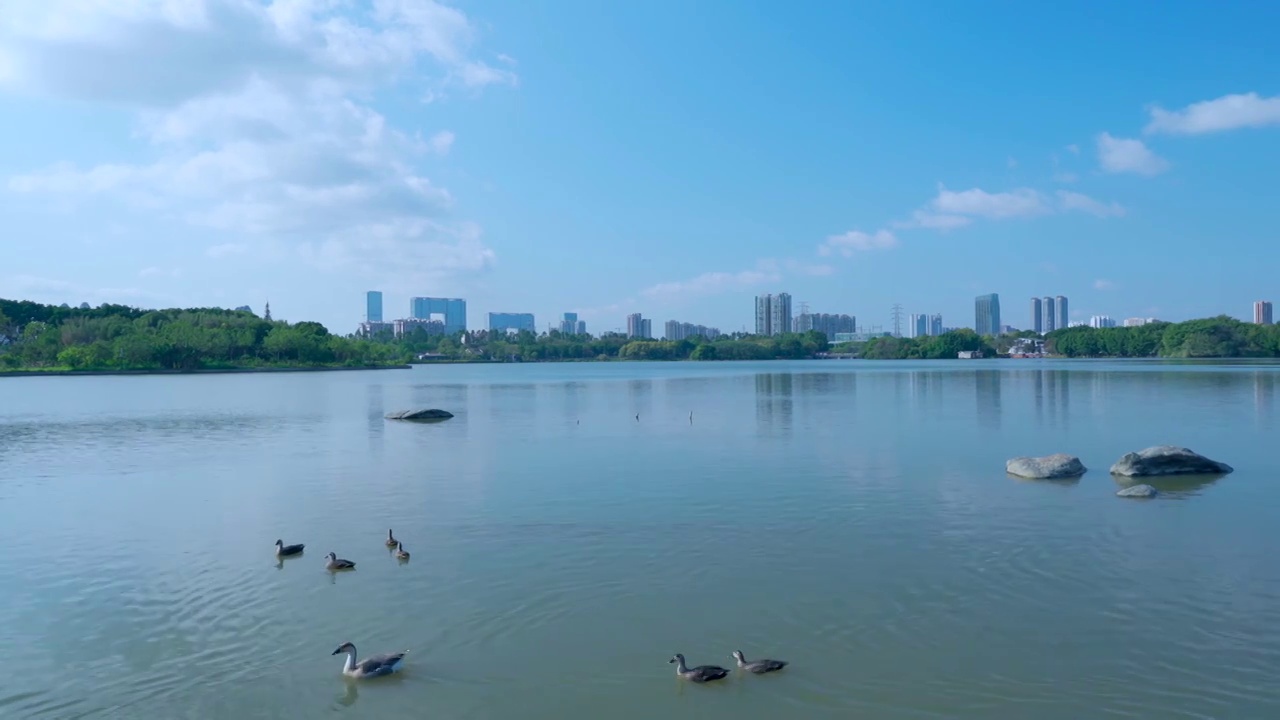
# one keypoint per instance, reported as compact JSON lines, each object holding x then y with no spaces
{"x":199,"y":371}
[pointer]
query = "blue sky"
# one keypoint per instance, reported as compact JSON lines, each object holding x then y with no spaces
{"x":668,"y":158}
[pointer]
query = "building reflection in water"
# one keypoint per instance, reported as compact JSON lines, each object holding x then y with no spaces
{"x":986,"y":388}
{"x":774,"y":408}
{"x":375,"y":398}
{"x":1052,"y":391}
{"x":1264,"y":392}
{"x":640,"y":393}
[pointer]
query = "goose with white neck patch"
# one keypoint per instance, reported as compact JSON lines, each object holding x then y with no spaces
{"x":699,"y":674}
{"x":373,"y":666}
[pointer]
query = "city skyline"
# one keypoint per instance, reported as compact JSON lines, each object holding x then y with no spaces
{"x":459,"y":154}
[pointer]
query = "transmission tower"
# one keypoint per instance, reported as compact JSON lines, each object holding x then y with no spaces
{"x":897,"y":320}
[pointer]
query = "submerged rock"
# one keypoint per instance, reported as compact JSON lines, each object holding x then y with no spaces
{"x":1138,"y":491}
{"x":420,"y":415}
{"x":1049,"y":467}
{"x":1167,"y":460}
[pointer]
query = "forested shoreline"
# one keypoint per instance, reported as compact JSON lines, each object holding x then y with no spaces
{"x":36,"y":338}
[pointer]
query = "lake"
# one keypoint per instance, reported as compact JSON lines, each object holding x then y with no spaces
{"x":852,"y":517}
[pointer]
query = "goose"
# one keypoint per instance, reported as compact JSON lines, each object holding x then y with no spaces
{"x":283,"y":550}
{"x":758,"y":666}
{"x":700,"y":674}
{"x":370,"y":666}
{"x":337,"y":563}
{"x":391,"y":539}
{"x":401,"y":553}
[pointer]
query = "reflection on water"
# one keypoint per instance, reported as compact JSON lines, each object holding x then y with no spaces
{"x":986,"y":389}
{"x":774,"y":398}
{"x":858,"y":523}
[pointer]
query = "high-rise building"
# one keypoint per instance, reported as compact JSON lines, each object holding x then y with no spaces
{"x":1101,"y":321}
{"x":919,"y":326}
{"x":453,"y":310}
{"x":1037,"y":320}
{"x":373,"y":306}
{"x":1048,"y":318}
{"x":825,"y":323}
{"x":986,"y":314}
{"x":639,"y":327}
{"x":1262,"y":312}
{"x":1064,"y":317}
{"x":935,"y":324}
{"x":677,"y":330}
{"x":773,"y":314}
{"x":571,"y":325}
{"x":509,"y":322}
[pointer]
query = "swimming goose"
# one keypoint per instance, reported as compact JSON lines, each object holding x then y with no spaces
{"x":370,"y":666}
{"x":391,"y":539}
{"x":700,"y":674}
{"x":758,"y":666}
{"x":283,"y":550}
{"x":337,"y":563}
{"x":401,"y":553}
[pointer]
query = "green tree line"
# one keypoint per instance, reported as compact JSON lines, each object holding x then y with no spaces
{"x":117,"y":337}
{"x":1216,"y":337}
{"x":935,"y":347}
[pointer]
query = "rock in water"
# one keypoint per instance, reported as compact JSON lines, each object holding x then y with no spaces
{"x":420,"y":415}
{"x":1167,"y":460}
{"x":1049,"y":467}
{"x":1138,"y":491}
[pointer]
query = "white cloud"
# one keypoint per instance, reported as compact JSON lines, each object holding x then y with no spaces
{"x":442,"y":142}
{"x":1022,"y":202}
{"x":257,"y":119}
{"x":1073,"y":149}
{"x":1101,"y":284}
{"x":1229,"y":112}
{"x":226,"y":250}
{"x":812,"y":270}
{"x":1011,"y":163}
{"x":710,"y":283}
{"x":1123,"y":155}
{"x":1065,"y":177}
{"x":1069,"y":201}
{"x":507,"y":59}
{"x":855,"y":241}
{"x":933,"y":221}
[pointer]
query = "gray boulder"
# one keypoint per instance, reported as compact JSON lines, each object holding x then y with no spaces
{"x":1138,"y":491}
{"x":430,"y":415}
{"x":1167,"y":460}
{"x":1049,"y":467}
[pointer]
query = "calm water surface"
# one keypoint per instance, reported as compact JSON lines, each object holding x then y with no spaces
{"x":853,"y":518}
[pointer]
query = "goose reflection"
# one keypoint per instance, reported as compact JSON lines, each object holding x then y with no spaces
{"x":350,"y":694}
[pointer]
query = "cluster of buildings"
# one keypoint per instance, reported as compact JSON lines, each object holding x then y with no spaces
{"x":773,"y":315}
{"x":1049,"y":314}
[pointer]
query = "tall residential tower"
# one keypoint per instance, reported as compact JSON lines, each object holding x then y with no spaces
{"x":1262,"y":312}
{"x":373,"y":306}
{"x":986,"y":314}
{"x":773,"y":314}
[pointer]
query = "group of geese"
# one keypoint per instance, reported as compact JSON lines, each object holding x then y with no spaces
{"x":388,"y":663}
{"x":375,"y":665}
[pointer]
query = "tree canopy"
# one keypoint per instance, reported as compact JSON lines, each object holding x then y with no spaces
{"x":1217,"y":337}
{"x":934,"y":347}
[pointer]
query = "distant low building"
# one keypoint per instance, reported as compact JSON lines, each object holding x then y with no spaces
{"x":1101,"y":321}
{"x":512,"y":322}
{"x":370,"y":329}
{"x":408,"y":326}
{"x":969,"y":354}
